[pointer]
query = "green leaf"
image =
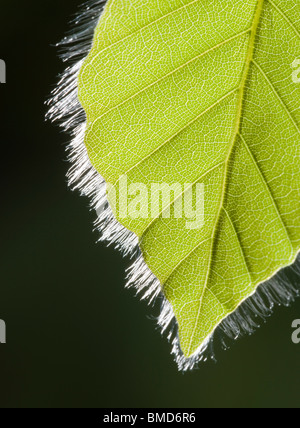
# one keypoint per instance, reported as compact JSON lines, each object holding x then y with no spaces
{"x":185,"y":91}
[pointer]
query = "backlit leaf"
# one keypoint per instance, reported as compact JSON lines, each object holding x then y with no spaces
{"x":202,"y":91}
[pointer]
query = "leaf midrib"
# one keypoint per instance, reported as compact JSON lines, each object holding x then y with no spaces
{"x":249,"y":57}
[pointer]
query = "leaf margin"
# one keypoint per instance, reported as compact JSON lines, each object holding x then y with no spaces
{"x":65,"y":108}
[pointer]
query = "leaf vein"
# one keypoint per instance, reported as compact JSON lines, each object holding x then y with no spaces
{"x":239,"y":242}
{"x":270,"y":194}
{"x":179,"y":131}
{"x":284,"y":17}
{"x":173,"y":72}
{"x":180,"y":195}
{"x":276,"y":93}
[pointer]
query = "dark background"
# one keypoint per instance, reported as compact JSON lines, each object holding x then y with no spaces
{"x":75,"y":336}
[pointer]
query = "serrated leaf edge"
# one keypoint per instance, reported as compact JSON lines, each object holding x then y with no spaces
{"x":65,"y":108}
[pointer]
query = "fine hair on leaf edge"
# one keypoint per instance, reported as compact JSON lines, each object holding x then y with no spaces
{"x":65,"y":108}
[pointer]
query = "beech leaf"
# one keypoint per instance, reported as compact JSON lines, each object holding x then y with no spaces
{"x":199,"y":93}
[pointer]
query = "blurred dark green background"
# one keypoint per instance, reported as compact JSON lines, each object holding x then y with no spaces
{"x":75,"y":337}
